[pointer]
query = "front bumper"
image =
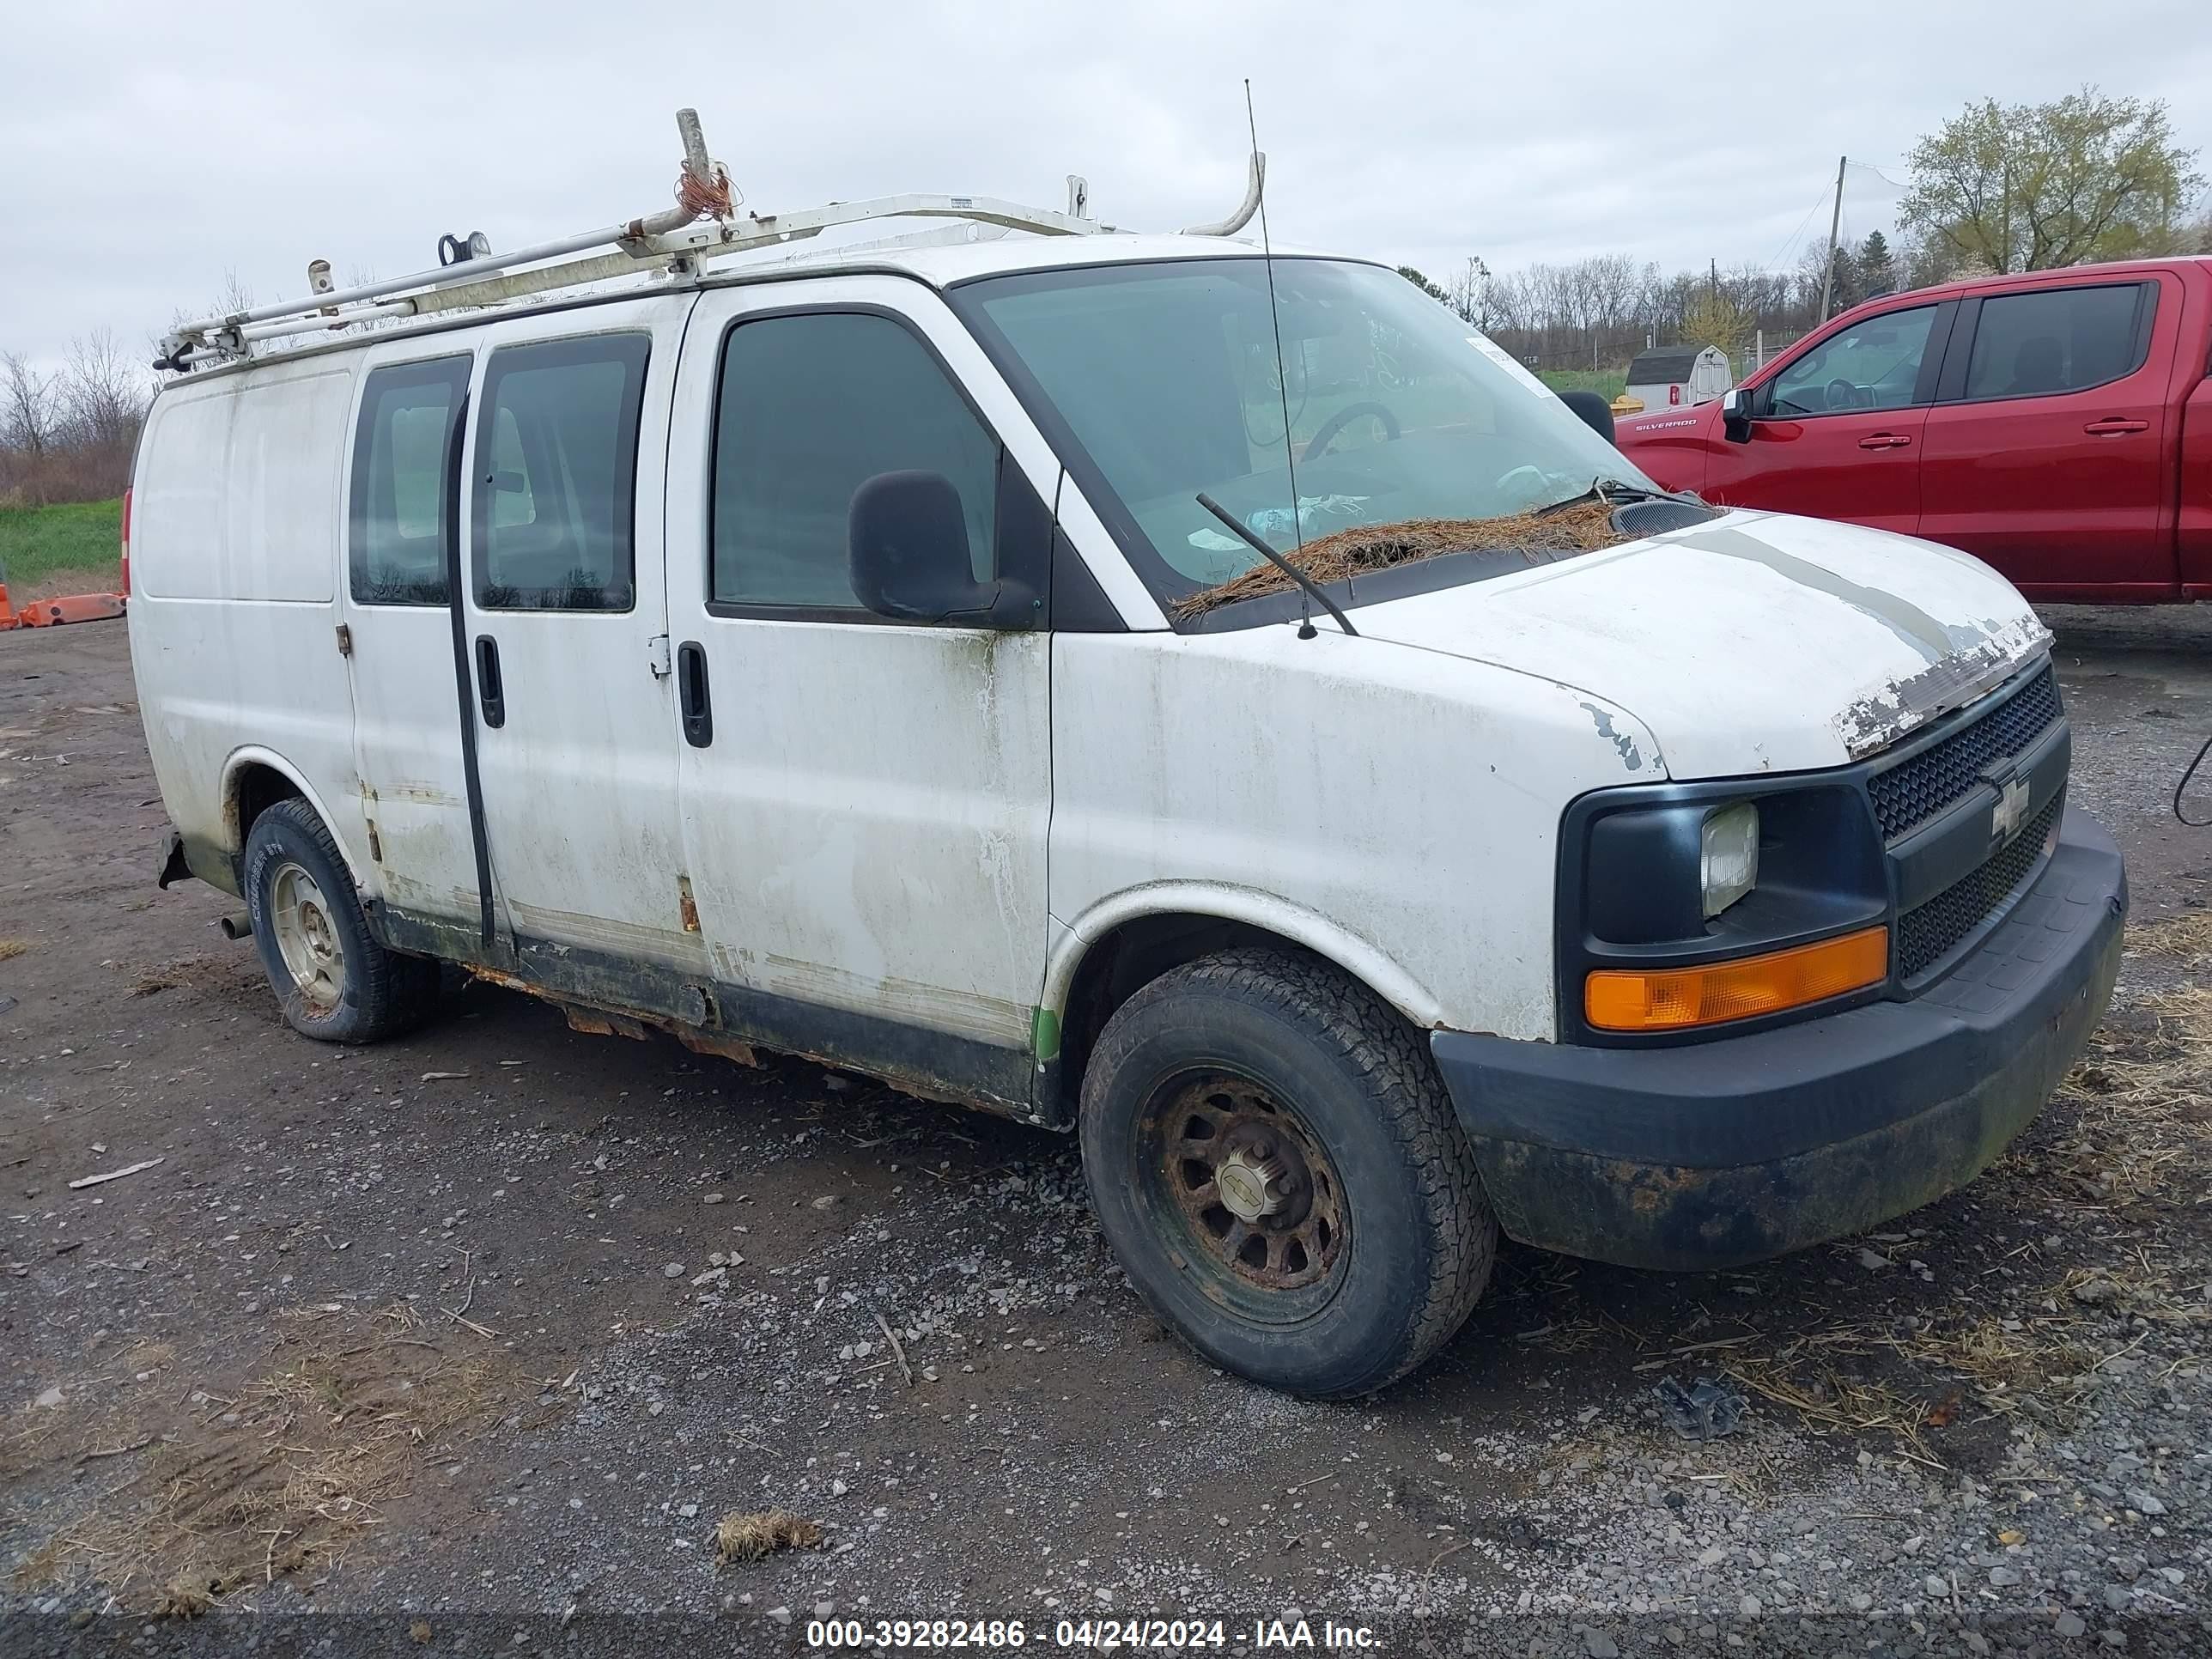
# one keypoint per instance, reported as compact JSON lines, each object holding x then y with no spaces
{"x":1721,"y":1152}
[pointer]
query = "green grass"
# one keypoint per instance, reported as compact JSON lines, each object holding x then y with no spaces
{"x":35,"y":542}
{"x":1609,"y":382}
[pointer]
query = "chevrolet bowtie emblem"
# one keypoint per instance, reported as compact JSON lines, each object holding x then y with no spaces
{"x":2010,"y":811}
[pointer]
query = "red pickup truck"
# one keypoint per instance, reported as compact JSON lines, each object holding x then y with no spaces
{"x":2057,"y":424}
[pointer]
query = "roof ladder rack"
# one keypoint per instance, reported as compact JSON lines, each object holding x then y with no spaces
{"x":703,"y":225}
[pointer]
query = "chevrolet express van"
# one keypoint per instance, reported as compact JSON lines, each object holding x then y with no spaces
{"x":838,"y":658}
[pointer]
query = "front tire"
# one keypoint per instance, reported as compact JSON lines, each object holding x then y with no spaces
{"x":333,"y":980}
{"x":1275,"y":1162}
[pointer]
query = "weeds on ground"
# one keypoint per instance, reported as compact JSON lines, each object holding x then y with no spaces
{"x":283,"y":1477}
{"x":2141,"y":1100}
{"x":748,"y":1535}
{"x":2187,"y":937}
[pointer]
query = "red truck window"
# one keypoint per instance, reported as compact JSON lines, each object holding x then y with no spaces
{"x":1874,"y":364}
{"x":2059,"y":339}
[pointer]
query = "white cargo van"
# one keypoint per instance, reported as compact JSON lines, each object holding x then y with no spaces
{"x":834,"y":658}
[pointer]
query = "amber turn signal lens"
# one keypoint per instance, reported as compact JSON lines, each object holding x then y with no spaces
{"x":1676,"y":999}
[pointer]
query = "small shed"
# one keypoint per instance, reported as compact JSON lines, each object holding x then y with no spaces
{"x":1677,"y":376}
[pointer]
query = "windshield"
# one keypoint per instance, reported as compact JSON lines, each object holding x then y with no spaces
{"x":1165,"y":377}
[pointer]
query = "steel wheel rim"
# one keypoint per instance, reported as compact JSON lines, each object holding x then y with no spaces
{"x":306,"y":937}
{"x":1252,"y":1196}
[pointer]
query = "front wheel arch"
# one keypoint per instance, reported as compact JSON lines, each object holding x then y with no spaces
{"x":1123,"y":943}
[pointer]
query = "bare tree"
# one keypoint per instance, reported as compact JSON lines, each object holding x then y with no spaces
{"x":105,"y":392}
{"x":1600,"y":311}
{"x":27,"y":416}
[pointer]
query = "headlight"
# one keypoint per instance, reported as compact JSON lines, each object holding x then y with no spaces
{"x":1728,"y":855}
{"x":1685,"y":906}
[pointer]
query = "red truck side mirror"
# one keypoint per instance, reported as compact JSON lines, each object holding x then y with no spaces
{"x":1735,"y":416}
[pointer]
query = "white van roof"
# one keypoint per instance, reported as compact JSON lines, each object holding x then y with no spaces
{"x":938,"y":267}
{"x":945,"y":264}
{"x":703,"y":230}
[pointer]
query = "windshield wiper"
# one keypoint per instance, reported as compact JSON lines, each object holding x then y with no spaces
{"x":1616,"y":489}
{"x":1306,"y":588}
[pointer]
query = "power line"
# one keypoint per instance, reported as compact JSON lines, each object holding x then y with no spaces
{"x":1791,"y":239}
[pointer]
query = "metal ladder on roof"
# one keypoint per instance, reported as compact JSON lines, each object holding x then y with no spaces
{"x":703,"y":226}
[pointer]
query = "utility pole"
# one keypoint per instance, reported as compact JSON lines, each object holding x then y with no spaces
{"x":2004,"y":255}
{"x":1835,"y":224}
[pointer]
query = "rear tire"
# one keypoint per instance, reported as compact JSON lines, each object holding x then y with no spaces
{"x":332,"y":980}
{"x":1272,"y":1157}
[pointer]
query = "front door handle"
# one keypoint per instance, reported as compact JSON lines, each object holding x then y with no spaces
{"x":491,"y":695}
{"x":1886,"y":441}
{"x":2114,"y":426}
{"x":698,"y":708}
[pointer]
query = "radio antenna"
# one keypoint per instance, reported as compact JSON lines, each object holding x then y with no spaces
{"x":1282,"y":374}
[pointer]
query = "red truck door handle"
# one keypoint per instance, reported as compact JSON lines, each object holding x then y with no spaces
{"x":1884,"y":440}
{"x":2113,"y":426}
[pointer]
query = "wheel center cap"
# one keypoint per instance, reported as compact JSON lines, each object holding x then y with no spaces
{"x":1248,"y":1186}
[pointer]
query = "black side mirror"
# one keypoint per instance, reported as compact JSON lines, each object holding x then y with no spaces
{"x":1736,"y":415}
{"x":907,"y":540}
{"x":1596,"y":414}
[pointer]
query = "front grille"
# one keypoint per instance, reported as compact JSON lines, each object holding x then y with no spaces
{"x":1928,"y":932}
{"x":1914,"y":791}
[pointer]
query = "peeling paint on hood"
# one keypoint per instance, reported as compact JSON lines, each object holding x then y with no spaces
{"x":1873,"y":722}
{"x":1756,"y":642}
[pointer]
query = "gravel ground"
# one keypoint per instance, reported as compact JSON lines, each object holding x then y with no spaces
{"x":468,"y":1341}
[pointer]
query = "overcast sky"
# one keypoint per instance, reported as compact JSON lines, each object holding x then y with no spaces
{"x":147,"y":150}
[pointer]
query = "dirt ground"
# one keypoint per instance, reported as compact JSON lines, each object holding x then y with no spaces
{"x":472,"y":1339}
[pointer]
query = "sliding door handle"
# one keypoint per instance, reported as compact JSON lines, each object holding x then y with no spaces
{"x":491,"y":695}
{"x":698,"y":708}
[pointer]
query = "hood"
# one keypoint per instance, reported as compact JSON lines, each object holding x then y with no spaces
{"x":1755,"y":642}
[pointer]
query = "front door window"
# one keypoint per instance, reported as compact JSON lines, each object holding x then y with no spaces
{"x":812,"y":407}
{"x":1874,"y":364}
